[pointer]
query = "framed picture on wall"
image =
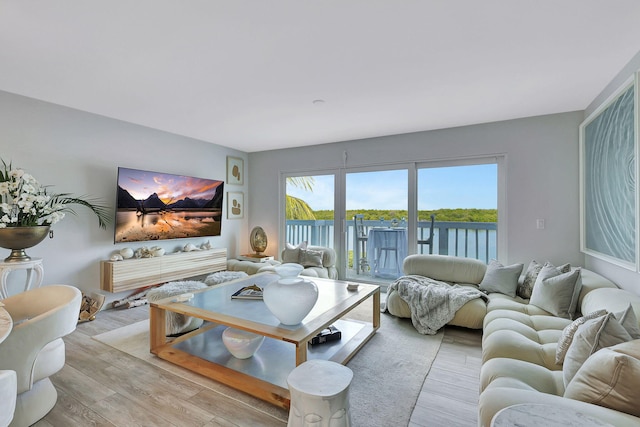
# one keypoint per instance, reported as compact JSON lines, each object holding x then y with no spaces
{"x":608,"y":180}
{"x":235,"y":205}
{"x":235,"y":170}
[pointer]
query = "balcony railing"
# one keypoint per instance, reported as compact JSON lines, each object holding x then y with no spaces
{"x":464,"y":239}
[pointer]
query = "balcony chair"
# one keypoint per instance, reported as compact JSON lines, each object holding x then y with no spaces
{"x":34,"y":349}
{"x":387,"y":249}
{"x":429,"y":241}
{"x":360,"y":244}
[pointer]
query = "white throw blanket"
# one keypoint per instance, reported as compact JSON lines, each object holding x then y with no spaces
{"x":433,"y":303}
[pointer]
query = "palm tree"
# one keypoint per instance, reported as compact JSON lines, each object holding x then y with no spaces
{"x":297,"y":208}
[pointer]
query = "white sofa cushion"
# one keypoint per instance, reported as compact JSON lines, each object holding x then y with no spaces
{"x":445,"y":268}
{"x":591,"y":336}
{"x":610,"y":378}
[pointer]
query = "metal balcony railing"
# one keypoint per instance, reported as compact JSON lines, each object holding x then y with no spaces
{"x":464,"y":239}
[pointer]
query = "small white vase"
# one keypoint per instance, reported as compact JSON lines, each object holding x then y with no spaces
{"x":290,"y":299}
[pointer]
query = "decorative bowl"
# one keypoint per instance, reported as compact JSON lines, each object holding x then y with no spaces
{"x":241,"y":344}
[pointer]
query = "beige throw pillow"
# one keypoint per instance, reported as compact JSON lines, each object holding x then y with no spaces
{"x":557,"y":293}
{"x":594,"y":334}
{"x":629,"y":321}
{"x":567,"y":334}
{"x":310,"y":258}
{"x":610,"y":378}
{"x":501,"y":279}
{"x":291,"y":254}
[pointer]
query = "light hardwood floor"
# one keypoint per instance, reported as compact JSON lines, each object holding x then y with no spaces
{"x":101,"y":386}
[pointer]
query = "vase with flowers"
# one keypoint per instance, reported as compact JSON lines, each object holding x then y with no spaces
{"x":28,"y":210}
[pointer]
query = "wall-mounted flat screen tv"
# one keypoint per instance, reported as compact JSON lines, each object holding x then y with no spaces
{"x":157,"y":206}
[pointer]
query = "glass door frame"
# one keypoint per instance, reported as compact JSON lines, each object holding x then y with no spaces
{"x":500,"y":160}
{"x":338,"y":226}
{"x":340,"y":221}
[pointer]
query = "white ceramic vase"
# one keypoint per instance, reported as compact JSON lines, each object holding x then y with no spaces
{"x":290,"y":299}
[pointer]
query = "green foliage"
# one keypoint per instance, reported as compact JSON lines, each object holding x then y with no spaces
{"x":298,"y":209}
{"x":453,"y":215}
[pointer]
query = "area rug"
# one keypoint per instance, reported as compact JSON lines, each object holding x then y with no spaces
{"x":389,"y":370}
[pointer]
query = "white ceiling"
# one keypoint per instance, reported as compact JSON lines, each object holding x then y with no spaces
{"x":245,"y":73}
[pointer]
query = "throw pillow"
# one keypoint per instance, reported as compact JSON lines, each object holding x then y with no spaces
{"x":530,"y":276}
{"x":567,"y":334}
{"x":291,"y":253}
{"x":501,"y":279}
{"x":629,"y":321}
{"x":609,"y":378}
{"x":309,"y":258}
{"x":301,"y":245}
{"x":591,"y":336}
{"x":557,"y":294}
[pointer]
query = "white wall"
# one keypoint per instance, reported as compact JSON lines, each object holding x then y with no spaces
{"x":79,"y":153}
{"x":625,"y":278}
{"x":541,"y":168}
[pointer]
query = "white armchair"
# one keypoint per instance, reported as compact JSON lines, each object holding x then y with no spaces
{"x":34,"y":348}
{"x":7,"y":396}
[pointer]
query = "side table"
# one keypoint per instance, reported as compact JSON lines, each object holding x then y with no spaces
{"x":34,"y":270}
{"x":537,"y":414}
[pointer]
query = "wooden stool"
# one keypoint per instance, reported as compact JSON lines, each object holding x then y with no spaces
{"x":319,"y":394}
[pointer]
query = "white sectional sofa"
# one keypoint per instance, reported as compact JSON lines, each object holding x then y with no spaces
{"x":520,"y":344}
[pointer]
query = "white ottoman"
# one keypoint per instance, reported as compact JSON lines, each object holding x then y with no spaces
{"x":177,"y":323}
{"x":319,"y":394}
{"x":223,"y":276}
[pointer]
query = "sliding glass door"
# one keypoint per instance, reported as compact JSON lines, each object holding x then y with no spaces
{"x":376,"y":217}
{"x":457,"y":210}
{"x":309,"y":210}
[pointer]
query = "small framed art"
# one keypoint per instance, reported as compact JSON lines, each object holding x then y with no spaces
{"x":235,"y":170}
{"x":235,"y":205}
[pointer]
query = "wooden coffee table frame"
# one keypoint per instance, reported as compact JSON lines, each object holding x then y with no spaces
{"x":284,"y":339}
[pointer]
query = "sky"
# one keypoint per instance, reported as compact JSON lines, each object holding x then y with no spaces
{"x":170,"y":188}
{"x":445,"y":187}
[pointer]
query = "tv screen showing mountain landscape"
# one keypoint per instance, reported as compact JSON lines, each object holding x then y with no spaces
{"x":157,"y":206}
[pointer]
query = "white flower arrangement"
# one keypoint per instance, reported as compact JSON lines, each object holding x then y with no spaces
{"x":25,"y":203}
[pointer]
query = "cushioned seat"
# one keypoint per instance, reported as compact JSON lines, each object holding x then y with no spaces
{"x":462,"y":271}
{"x":8,"y":395}
{"x":523,"y":343}
{"x":34,"y":349}
{"x":317,"y":261}
{"x":508,"y":381}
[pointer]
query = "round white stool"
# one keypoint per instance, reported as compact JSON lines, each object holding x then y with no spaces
{"x":319,"y":394}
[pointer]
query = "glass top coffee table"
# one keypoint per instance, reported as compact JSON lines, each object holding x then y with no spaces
{"x":264,"y":375}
